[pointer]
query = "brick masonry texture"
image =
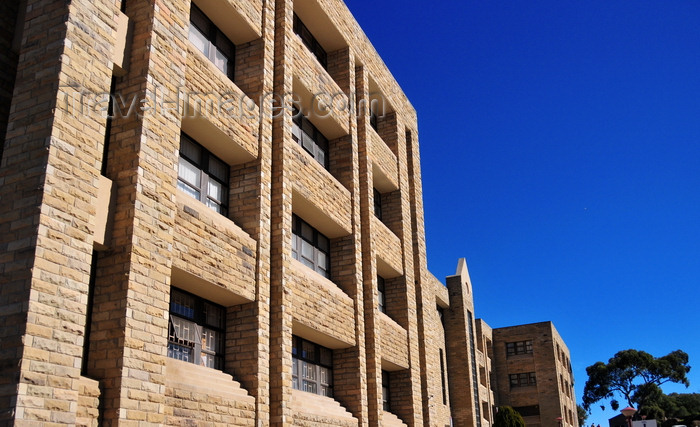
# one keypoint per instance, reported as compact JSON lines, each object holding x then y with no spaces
{"x":85,"y":324}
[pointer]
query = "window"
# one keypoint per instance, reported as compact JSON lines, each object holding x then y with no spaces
{"x":310,"y":139}
{"x":377,"y":204}
{"x":386,"y":384}
{"x":522,"y":380}
{"x":528,"y":411}
{"x":310,"y":41}
{"x":196,"y":330}
{"x":202,"y":175}
{"x":310,"y":247}
{"x":312,"y":369}
{"x":519,"y":347}
{"x":442,"y":377}
{"x":211,"y":41}
{"x":381,"y":290}
{"x":373,"y":120}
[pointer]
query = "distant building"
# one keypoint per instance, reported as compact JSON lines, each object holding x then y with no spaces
{"x":532,"y":366}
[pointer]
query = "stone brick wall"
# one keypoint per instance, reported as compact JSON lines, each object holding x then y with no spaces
{"x":547,"y":350}
{"x":8,"y":62}
{"x":162,"y":238}
{"x":213,"y":248}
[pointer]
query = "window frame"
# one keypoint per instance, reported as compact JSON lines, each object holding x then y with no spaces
{"x":216,"y":39}
{"x":310,"y":41}
{"x":378,"y":211}
{"x":298,"y":240}
{"x":200,"y":353}
{"x":443,"y":375}
{"x":522,"y":379}
{"x":317,"y":142}
{"x":516,"y":348}
{"x":315,"y":362}
{"x":381,"y":294}
{"x":386,"y":391}
{"x":206,"y":174}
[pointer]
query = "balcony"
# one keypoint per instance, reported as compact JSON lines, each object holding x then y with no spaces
{"x":240,"y":20}
{"x":393,"y":341}
{"x":321,"y":98}
{"x":384,"y":165}
{"x":212,"y":256}
{"x":218,"y":114}
{"x":322,"y":312}
{"x":388,"y":249}
{"x":317,"y":196}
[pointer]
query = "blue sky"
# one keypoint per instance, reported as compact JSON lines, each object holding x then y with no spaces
{"x":560,"y":145}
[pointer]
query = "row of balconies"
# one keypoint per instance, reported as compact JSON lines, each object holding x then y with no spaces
{"x":205,"y":240}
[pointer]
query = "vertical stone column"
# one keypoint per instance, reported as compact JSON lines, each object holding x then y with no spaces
{"x":459,"y":370}
{"x":281,"y":222}
{"x":425,"y":297}
{"x":131,"y":300}
{"x":350,"y":370}
{"x":369,"y":259}
{"x":252,"y":210}
{"x":48,"y":187}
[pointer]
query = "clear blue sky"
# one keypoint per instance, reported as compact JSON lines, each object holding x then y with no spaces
{"x":560,"y":145}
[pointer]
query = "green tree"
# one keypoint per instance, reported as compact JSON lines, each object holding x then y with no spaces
{"x":636,"y":376}
{"x":507,"y":417}
{"x":582,"y":415}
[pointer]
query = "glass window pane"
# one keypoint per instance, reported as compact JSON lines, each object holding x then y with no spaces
{"x":321,"y":260}
{"x":296,"y":132}
{"x":216,"y":191}
{"x":188,"y":189}
{"x":307,"y":232}
{"x":326,"y":357}
{"x":295,"y":255}
{"x":199,"y":40}
{"x":218,"y":169}
{"x":220,"y":61}
{"x":308,"y":351}
{"x":214,"y":315}
{"x":183,"y":331}
{"x":189,"y":173}
{"x":307,"y":250}
{"x":182,"y":303}
{"x":323,"y":243}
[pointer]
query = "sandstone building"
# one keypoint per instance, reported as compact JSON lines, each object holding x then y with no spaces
{"x":533,"y":373}
{"x":211,"y":214}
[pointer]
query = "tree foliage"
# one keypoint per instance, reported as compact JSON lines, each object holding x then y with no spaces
{"x":680,"y":405}
{"x":636,"y":376}
{"x":582,"y":415}
{"x":508,"y":417}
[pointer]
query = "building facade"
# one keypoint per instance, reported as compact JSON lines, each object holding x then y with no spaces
{"x":211,"y":214}
{"x":532,"y":368}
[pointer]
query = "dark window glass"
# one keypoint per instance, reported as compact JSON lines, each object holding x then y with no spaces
{"x":310,"y":247}
{"x":381,"y":288}
{"x":519,"y":347}
{"x":310,"y":41}
{"x":522,"y":379}
{"x":310,"y":139}
{"x":386,"y":391}
{"x":312,"y":367}
{"x":528,"y":411}
{"x":442,"y":377}
{"x":202,"y":175}
{"x":196,"y":330}
{"x":373,"y":120}
{"x":377,"y":204}
{"x":211,"y":41}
